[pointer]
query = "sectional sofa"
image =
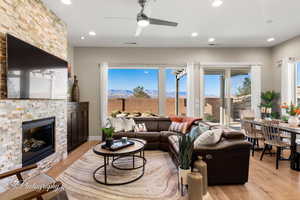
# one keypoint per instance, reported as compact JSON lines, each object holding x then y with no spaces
{"x":227,"y":161}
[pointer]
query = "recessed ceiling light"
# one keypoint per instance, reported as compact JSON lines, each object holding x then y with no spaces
{"x":269,"y":21}
{"x":217,"y":3}
{"x":271,"y":39}
{"x":211,"y":39}
{"x":195,"y":34}
{"x":92,"y":33}
{"x":67,"y":2}
{"x":82,"y":37}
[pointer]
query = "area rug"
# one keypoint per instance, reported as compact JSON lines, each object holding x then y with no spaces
{"x":158,"y":182}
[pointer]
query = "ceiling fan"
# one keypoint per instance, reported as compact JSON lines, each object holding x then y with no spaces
{"x":144,"y":20}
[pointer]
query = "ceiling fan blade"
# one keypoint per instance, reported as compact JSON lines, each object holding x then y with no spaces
{"x":139,"y":30}
{"x":154,"y":21}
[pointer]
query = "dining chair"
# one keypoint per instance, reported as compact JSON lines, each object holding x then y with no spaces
{"x":273,"y":138}
{"x":252,"y":134}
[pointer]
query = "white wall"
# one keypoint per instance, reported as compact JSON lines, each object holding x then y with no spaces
{"x":87,"y":60}
{"x":290,"y":48}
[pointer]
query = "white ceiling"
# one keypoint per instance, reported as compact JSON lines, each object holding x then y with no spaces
{"x":237,"y":23}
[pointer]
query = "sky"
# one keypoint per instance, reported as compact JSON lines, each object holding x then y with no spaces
{"x":127,"y":79}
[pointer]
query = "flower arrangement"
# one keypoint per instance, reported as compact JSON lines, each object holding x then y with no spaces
{"x":292,"y":110}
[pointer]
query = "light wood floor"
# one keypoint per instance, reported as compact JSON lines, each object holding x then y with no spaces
{"x":265,"y":182}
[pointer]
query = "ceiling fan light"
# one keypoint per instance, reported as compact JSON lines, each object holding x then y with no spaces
{"x":143,"y":22}
{"x":217,"y":3}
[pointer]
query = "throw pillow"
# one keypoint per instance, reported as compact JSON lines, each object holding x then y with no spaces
{"x":209,"y":137}
{"x":203,"y":128}
{"x":128,"y":125}
{"x":140,"y":127}
{"x":178,"y":127}
{"x":195,"y":132}
{"x":117,"y":124}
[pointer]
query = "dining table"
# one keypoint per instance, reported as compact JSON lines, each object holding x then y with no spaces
{"x":293,"y":131}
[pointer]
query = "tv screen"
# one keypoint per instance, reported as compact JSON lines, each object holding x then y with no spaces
{"x":33,"y":73}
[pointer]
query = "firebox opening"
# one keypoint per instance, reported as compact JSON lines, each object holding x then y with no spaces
{"x":38,"y":140}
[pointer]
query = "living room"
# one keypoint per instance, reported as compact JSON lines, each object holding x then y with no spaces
{"x":149,"y":99}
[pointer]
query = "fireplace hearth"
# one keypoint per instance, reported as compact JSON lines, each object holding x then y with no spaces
{"x":38,"y":140}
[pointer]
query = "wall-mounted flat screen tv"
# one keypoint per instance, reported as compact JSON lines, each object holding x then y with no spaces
{"x":32,"y":73}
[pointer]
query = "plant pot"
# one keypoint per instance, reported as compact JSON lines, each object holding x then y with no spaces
{"x":293,"y":121}
{"x":182,"y":173}
{"x":109,"y":142}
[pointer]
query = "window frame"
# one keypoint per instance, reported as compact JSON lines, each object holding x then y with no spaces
{"x":161,"y":80}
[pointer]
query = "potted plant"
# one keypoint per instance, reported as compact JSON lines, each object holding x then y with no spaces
{"x":268,"y":101}
{"x":293,"y":112}
{"x":186,"y":146}
{"x":109,"y":132}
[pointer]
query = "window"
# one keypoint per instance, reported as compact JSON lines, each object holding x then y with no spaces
{"x":170,"y":104}
{"x":133,"y":90}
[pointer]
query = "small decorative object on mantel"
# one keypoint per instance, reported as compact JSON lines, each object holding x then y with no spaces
{"x":75,"y":91}
{"x":70,"y":87}
{"x":294,"y":112}
{"x":108,"y":136}
{"x":186,"y":146}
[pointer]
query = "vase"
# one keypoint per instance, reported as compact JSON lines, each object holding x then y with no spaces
{"x":293,"y":121}
{"x":109,"y":142}
{"x":201,"y":166}
{"x":75,"y":90}
{"x":182,"y":173}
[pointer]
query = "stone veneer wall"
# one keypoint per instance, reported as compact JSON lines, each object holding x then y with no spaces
{"x":13,"y":113}
{"x":33,"y":22}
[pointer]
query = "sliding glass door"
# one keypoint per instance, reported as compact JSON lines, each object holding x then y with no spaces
{"x":240,"y":94}
{"x":226,"y":92}
{"x":214,"y":96}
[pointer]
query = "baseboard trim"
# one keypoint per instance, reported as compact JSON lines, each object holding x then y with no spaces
{"x":94,"y":138}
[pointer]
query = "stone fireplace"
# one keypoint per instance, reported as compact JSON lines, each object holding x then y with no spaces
{"x":17,"y":116}
{"x":38,"y":140}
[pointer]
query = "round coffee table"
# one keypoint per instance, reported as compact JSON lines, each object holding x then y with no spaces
{"x":127,"y":152}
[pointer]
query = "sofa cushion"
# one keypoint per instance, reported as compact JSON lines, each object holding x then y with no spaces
{"x":165,"y":135}
{"x":164,"y":124}
{"x":116,"y":123}
{"x":233,"y":134}
{"x":178,"y":127}
{"x":148,"y":136}
{"x":150,"y":122}
{"x":209,"y":137}
{"x":223,"y":145}
{"x":124,"y":134}
{"x":128,"y":124}
{"x":173,"y":141}
{"x":141,"y":127}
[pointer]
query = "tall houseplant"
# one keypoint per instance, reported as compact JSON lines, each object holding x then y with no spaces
{"x":268,"y":102}
{"x":186,"y":146}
